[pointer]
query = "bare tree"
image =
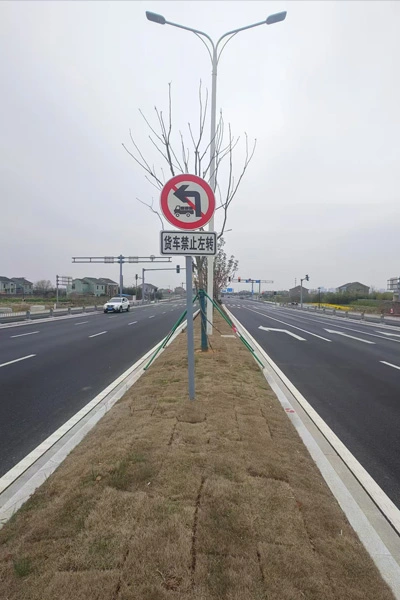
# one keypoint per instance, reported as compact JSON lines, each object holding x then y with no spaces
{"x":43,"y":287}
{"x":192,"y":155}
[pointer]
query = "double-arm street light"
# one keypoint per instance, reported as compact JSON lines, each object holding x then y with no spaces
{"x":214,"y":50}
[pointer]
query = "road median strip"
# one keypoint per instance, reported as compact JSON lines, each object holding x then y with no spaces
{"x":166,"y":498}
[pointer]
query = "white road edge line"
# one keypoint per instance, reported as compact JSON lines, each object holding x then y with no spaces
{"x":11,"y":362}
{"x":128,"y":378}
{"x":389,"y":364}
{"x":288,"y":324}
{"x":22,"y":334}
{"x":379,"y":552}
{"x":96,"y":334}
{"x":81,"y":322}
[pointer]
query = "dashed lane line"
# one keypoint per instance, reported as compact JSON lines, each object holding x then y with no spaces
{"x":10,"y":362}
{"x":96,"y":334}
{"x":389,"y":364}
{"x":22,"y":334}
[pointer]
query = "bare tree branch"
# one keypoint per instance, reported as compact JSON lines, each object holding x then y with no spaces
{"x":150,"y":206}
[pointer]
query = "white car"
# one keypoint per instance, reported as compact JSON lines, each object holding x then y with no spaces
{"x":117,"y":305}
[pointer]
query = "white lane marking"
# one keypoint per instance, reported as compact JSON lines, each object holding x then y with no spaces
{"x":164,"y":312}
{"x":96,"y":334}
{"x":81,"y":322}
{"x":133,"y":322}
{"x":389,"y":364}
{"x":22,"y":334}
{"x":289,"y":324}
{"x":17,"y":360}
{"x":353,"y":337}
{"x":387,"y":333}
{"x":152,"y":317}
{"x":283,"y":331}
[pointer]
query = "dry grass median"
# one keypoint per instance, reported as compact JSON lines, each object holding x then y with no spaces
{"x":166,"y":499}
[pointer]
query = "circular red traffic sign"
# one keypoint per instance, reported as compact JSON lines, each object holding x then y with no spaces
{"x":187,"y":201}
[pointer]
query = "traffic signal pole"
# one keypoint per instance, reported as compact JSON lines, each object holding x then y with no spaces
{"x":177,"y":269}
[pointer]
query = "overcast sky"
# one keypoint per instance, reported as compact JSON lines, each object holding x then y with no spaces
{"x":320,"y":92}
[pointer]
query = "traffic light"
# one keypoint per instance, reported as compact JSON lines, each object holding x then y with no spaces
{"x":307,"y":278}
{"x":178,"y":268}
{"x":229,"y":279}
{"x":239,"y":279}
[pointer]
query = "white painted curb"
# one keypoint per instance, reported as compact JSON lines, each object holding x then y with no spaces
{"x":381,"y":555}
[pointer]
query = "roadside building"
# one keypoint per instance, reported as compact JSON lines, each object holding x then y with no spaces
{"x":355,"y":287}
{"x":7,"y":285}
{"x":295,"y":293}
{"x":23,"y":286}
{"x":93,"y":286}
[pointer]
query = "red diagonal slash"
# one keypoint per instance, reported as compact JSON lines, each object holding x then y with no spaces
{"x":189,"y":202}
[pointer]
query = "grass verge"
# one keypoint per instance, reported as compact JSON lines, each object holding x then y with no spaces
{"x":171,"y":499}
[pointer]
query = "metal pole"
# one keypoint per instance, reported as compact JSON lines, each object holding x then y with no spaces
{"x":210,"y":259}
{"x":142,"y":286}
{"x":252,"y":288}
{"x":301,"y":293}
{"x":190,"y":335}
{"x":259,"y":288}
{"x":120,"y":275}
{"x":57,"y":291}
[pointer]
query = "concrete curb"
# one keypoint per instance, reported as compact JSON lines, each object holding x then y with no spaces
{"x":370,"y":538}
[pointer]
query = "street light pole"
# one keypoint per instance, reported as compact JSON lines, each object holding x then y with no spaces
{"x":214,"y":56}
{"x":319,"y":297}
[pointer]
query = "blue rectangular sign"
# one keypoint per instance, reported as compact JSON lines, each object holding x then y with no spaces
{"x":229,"y":290}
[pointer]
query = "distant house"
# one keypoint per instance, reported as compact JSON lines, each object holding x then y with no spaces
{"x":354,"y":287}
{"x":7,"y":285}
{"x":93,"y":286}
{"x":180,"y":290}
{"x":149,"y":290}
{"x":294,"y":294}
{"x":23,"y":286}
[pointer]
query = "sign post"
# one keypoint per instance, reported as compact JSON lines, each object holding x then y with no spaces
{"x":188,"y":203}
{"x":190,"y":328}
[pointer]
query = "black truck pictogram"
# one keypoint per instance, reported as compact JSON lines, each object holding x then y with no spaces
{"x":183,"y":210}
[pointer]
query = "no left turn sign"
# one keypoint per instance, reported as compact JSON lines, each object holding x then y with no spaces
{"x":187,"y":201}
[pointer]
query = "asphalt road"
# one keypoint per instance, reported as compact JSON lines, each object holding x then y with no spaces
{"x":50,"y":370}
{"x":349,"y":372}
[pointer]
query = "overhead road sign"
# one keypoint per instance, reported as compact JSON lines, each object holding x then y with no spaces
{"x":190,"y":243}
{"x":187,"y":201}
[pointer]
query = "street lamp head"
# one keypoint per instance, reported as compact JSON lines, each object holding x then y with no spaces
{"x":158,"y":18}
{"x":276,"y":18}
